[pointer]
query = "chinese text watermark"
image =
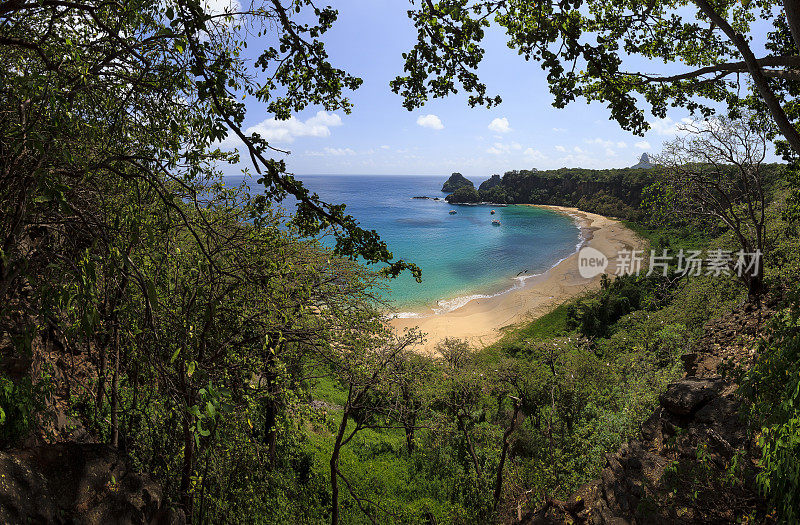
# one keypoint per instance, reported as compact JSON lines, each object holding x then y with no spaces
{"x":716,"y":262}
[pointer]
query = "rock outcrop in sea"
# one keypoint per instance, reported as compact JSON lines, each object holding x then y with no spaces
{"x":456,"y":181}
{"x":490,"y":183}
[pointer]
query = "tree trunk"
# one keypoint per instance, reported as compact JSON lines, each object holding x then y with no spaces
{"x":272,"y":432}
{"x":10,"y":266}
{"x":409,"y":427}
{"x":755,"y":287}
{"x":114,"y":392}
{"x":498,"y":482}
{"x":271,"y":409}
{"x":186,"y":470}
{"x":409,"y":419}
{"x":132,"y":420}
{"x":470,"y":447}
{"x":186,"y":499}
{"x":101,"y":379}
{"x":785,"y":126}
{"x":337,"y":446}
{"x":792,"y":9}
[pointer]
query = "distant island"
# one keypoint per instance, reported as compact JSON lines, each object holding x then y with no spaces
{"x":644,"y":163}
{"x":457,"y":181}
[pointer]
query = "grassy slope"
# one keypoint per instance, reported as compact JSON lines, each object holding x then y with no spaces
{"x":377,"y":465}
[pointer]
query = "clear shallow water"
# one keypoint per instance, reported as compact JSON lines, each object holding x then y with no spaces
{"x":462,"y":255}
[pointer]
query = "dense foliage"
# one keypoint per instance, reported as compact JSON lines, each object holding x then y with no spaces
{"x":166,"y":314}
{"x":616,"y":193}
{"x":773,"y":387}
{"x":248,"y":368}
{"x":457,"y":181}
{"x":588,"y":47}
{"x":464,"y":195}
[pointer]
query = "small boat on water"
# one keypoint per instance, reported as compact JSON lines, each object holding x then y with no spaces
{"x":452,"y":212}
{"x":492,"y":212}
{"x":495,"y":222}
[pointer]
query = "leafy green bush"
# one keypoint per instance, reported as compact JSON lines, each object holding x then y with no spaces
{"x":19,"y":403}
{"x":495,"y":194}
{"x":772,"y":387}
{"x":593,"y":316}
{"x":466,"y":194}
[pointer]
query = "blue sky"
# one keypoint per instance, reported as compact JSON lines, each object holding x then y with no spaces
{"x":381,"y":137}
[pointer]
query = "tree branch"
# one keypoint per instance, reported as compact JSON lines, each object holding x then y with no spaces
{"x":736,"y":67}
{"x":759,"y":79}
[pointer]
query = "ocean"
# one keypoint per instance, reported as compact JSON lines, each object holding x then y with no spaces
{"x":462,"y":256}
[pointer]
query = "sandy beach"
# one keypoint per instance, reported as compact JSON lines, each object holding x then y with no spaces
{"x":481,"y":321}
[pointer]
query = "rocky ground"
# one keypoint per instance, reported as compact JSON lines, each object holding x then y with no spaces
{"x":61,"y":474}
{"x":695,"y":459}
{"x":78,"y":483}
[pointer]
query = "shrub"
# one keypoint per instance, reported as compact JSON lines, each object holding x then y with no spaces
{"x":19,"y":403}
{"x":772,"y":387}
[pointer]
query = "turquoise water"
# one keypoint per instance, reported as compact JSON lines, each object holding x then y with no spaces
{"x":461,"y":255}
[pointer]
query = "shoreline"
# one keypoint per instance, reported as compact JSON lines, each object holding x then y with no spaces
{"x":482,"y":320}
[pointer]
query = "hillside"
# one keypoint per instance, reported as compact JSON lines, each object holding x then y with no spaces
{"x":613,"y":192}
{"x":616,"y":193}
{"x":176,"y":349}
{"x":693,"y":460}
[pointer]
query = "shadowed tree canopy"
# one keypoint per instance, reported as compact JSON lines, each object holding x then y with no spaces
{"x":584,"y":46}
{"x":131,"y":88}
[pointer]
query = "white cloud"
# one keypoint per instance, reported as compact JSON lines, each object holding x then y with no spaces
{"x":607,"y":144}
{"x":534,"y":154}
{"x":610,"y":152}
{"x":386,"y":147}
{"x":578,"y":150}
{"x":430,"y":121}
{"x":274,"y":130}
{"x":331,"y":152}
{"x":494,"y":150}
{"x":643,"y":144}
{"x":582,"y":161}
{"x":500,"y":125}
{"x":667,"y":126}
{"x":217,"y":7}
{"x":498,"y":148}
{"x":602,"y":142}
{"x":338,"y":152}
{"x":562,"y":149}
{"x":559,"y":130}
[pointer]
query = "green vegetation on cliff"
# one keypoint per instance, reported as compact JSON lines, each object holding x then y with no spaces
{"x":615,"y":193}
{"x":464,"y":195}
{"x":457,"y":181}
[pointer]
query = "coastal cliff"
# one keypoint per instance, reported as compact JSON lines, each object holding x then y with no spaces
{"x":456,"y":181}
{"x":612,"y":192}
{"x":490,"y":183}
{"x":615,"y":193}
